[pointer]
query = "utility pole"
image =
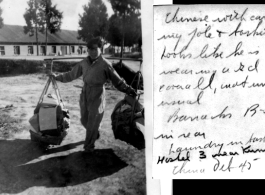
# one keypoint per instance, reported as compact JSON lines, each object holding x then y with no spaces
{"x":36,"y":28}
{"x":123,"y":37}
{"x":46,"y":11}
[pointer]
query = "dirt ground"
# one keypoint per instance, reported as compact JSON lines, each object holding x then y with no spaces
{"x":116,"y":167}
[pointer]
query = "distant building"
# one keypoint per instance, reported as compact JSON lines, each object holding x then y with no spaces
{"x":109,"y":50}
{"x":13,"y":41}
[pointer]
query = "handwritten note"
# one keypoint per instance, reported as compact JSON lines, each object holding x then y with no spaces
{"x":209,"y":91}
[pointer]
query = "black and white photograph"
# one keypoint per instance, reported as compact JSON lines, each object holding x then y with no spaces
{"x":72,"y":110}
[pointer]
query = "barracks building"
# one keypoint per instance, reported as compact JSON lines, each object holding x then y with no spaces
{"x":13,"y":42}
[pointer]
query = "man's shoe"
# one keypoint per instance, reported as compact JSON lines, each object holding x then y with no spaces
{"x":89,"y":150}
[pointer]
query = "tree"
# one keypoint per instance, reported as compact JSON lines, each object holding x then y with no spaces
{"x":34,"y":20}
{"x":94,"y":21}
{"x":1,"y":19}
{"x":53,"y":18}
{"x":128,"y":14}
{"x":114,"y":36}
{"x":132,"y":31}
{"x":38,"y":18}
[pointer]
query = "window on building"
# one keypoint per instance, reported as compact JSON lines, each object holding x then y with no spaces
{"x":2,"y":50}
{"x":72,"y":49}
{"x":42,"y":50}
{"x":17,"y":50}
{"x":80,"y":50}
{"x":30,"y":50}
{"x":64,"y":50}
{"x":53,"y":49}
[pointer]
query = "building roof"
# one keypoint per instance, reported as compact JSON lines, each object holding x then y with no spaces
{"x":11,"y":34}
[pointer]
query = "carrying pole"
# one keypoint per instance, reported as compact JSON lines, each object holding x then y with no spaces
{"x":55,"y":87}
{"x":137,"y":86}
{"x":44,"y":91}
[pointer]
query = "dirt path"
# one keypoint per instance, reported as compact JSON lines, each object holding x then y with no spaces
{"x":116,"y":167}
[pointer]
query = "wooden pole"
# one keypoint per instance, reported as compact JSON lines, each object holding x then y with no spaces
{"x":46,"y":11}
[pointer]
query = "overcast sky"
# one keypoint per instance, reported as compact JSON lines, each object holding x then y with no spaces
{"x":13,"y":11}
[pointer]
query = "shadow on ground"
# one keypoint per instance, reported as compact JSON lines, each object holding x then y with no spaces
{"x":17,"y":173}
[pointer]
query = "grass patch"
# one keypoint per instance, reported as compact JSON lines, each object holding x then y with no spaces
{"x":9,"y":125}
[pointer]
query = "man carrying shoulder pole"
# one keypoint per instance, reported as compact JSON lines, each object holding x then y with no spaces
{"x":96,"y":71}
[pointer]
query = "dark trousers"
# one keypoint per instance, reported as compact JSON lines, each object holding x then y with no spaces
{"x":91,"y":117}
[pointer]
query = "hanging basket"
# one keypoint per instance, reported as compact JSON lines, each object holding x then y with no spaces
{"x":51,"y":120}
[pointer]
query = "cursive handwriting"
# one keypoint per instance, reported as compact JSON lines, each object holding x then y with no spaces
{"x":220,"y":153}
{"x":232,"y":17}
{"x":180,"y":118}
{"x":213,"y":54}
{"x":182,"y":102}
{"x":255,"y":139}
{"x":171,"y":36}
{"x":248,"y":150}
{"x":247,"y":33}
{"x":178,"y":71}
{"x":175,"y":18}
{"x":181,"y":54}
{"x":173,"y":87}
{"x":209,"y":79}
{"x":250,"y":68}
{"x":236,"y":84}
{"x":201,"y":81}
{"x":179,"y":170}
{"x":162,"y":136}
{"x":164,"y":159}
{"x":223,"y":167}
{"x":211,"y":144}
{"x":196,"y":134}
{"x":236,"y":52}
{"x":218,"y":166}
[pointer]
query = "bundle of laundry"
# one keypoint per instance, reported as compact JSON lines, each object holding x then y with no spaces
{"x":50,"y":121}
{"x":127,"y":121}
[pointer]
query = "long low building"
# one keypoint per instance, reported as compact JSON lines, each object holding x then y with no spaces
{"x":13,"y":42}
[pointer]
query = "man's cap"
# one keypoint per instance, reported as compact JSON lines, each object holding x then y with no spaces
{"x":94,"y":41}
